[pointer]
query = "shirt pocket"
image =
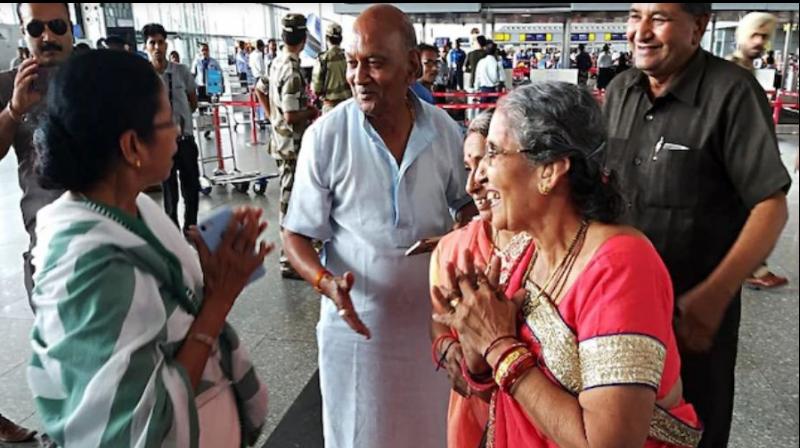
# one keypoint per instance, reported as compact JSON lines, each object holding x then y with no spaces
{"x":673,"y":177}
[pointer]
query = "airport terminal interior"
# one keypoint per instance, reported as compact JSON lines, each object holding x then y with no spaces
{"x":278,"y":316}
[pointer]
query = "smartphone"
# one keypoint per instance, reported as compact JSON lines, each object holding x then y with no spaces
{"x":423,"y":246}
{"x":211,"y":230}
{"x":40,"y":83}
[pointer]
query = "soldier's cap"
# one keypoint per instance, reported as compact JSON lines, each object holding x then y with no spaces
{"x":334,"y":30}
{"x":293,"y":23}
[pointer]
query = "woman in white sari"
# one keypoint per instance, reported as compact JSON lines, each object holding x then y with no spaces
{"x":130,"y":344}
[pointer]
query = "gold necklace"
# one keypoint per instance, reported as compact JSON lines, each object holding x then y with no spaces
{"x":564,"y":267}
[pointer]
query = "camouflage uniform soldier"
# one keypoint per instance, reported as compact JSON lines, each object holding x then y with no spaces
{"x":283,"y":96}
{"x":329,"y":80}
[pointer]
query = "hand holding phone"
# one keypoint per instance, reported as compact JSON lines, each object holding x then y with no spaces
{"x":212,"y":230}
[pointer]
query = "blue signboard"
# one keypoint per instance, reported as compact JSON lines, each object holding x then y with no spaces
{"x":214,"y":82}
{"x":579,"y":37}
{"x":536,"y":37}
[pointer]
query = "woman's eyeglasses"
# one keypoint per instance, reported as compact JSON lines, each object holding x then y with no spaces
{"x":492,"y":152}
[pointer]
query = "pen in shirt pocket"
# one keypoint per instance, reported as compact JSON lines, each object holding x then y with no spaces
{"x":658,"y":147}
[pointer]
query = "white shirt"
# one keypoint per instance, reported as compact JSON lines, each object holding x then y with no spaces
{"x":258,"y":65}
{"x":489,"y":72}
{"x":605,"y":60}
{"x":351,"y":193}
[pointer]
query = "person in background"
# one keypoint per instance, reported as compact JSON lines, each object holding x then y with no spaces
{"x":605,"y":67}
{"x":174,"y":57}
{"x":442,"y":81}
{"x":456,"y":58}
{"x":258,"y":61}
{"x":583,"y":62}
{"x":22,"y":54}
{"x":242,"y":62}
{"x":476,"y":55}
{"x":329,"y":77}
{"x":753,"y":35}
{"x":48,"y":38}
{"x":490,"y":76}
{"x":429,"y":60}
{"x":283,"y":97}
{"x":182,"y":94}
{"x":114,"y":42}
{"x":200,"y":69}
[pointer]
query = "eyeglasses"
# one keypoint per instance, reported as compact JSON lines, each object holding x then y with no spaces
{"x":492,"y":153}
{"x":35,"y":28}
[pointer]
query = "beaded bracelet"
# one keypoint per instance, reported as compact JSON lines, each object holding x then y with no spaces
{"x":476,"y":384}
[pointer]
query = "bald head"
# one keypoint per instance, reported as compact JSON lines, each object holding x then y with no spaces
{"x":382,"y":60}
{"x":385,"y":20}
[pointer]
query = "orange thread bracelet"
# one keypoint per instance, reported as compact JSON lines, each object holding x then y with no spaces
{"x":318,"y":279}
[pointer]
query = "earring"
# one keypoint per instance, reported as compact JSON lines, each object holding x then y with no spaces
{"x":138,"y":163}
{"x":544,"y":190}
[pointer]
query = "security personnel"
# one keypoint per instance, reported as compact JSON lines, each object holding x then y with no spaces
{"x":329,"y":80}
{"x":283,"y":96}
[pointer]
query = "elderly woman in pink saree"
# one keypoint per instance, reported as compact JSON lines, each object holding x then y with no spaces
{"x":584,"y":354}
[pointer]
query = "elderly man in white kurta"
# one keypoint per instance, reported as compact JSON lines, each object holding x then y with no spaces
{"x":376,"y":174}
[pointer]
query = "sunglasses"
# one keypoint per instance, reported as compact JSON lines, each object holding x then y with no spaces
{"x":35,"y":28}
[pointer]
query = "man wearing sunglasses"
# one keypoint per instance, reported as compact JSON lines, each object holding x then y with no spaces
{"x":47,"y":30}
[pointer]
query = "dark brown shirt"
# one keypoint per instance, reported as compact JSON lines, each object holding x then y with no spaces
{"x":693,"y":162}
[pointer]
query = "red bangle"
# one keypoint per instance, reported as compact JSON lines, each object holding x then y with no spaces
{"x":475,"y":384}
{"x":494,"y":344}
{"x":318,"y":279}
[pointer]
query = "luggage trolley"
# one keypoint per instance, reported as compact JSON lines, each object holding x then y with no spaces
{"x":240,"y":180}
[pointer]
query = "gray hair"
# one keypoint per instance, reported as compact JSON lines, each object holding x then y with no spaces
{"x":556,"y":120}
{"x":480,"y":125}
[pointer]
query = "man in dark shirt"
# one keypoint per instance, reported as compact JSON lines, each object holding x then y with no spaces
{"x":584,"y":63}
{"x":692,"y":142}
{"x":48,"y":34}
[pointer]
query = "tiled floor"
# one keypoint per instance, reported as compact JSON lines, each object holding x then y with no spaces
{"x":277,"y":318}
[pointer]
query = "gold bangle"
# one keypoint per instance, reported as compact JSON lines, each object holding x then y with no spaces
{"x":502,"y":369}
{"x":203,"y":338}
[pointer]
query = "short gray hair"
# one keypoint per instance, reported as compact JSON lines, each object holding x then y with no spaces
{"x":556,"y":120}
{"x":480,"y":125}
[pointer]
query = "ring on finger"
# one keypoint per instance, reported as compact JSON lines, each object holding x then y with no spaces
{"x":343,"y":312}
{"x":455,"y":302}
